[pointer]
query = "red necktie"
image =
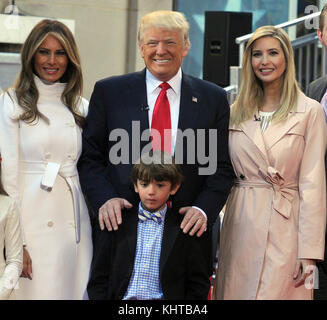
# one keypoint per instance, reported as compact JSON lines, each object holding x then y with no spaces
{"x":161,"y":121}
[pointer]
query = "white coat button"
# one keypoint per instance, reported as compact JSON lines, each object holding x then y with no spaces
{"x":47,"y":155}
{"x":50,"y":224}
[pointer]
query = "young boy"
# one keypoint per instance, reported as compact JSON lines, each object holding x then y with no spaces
{"x":149,"y":257}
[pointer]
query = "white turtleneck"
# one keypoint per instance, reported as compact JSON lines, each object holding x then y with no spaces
{"x":49,"y":92}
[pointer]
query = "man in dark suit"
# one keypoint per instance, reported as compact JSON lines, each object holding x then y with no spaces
{"x":120,"y":115}
{"x":318,"y":90}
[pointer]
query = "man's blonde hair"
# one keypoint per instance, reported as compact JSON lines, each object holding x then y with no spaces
{"x":170,"y":20}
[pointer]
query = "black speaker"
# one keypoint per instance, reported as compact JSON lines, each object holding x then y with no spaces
{"x":220,"y":49}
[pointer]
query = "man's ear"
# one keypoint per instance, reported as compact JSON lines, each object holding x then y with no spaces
{"x":136,"y":189}
{"x":173,"y":191}
{"x":319,"y":33}
{"x":186,"y":49}
{"x":141,"y":49}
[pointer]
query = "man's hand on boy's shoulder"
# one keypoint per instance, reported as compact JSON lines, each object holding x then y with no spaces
{"x":110,"y":213}
{"x":194,"y":221}
{"x":193,"y":217}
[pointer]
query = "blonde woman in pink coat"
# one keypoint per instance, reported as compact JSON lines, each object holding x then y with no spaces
{"x":273,"y":230}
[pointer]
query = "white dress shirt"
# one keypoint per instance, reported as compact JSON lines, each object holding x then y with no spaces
{"x":174,"y":98}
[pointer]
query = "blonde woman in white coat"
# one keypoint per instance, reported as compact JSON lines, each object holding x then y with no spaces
{"x":40,"y":140}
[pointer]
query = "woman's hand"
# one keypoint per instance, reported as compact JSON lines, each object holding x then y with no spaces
{"x":27,"y":265}
{"x":303,"y":269}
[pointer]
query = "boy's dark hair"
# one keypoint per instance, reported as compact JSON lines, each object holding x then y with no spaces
{"x":159,"y":166}
{"x":322,"y":17}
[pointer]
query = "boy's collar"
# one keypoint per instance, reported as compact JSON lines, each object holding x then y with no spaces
{"x":162,"y":211}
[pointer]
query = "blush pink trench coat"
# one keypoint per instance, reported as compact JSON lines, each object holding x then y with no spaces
{"x":276,"y":212}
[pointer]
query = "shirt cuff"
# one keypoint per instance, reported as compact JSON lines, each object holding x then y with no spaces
{"x":201,"y":211}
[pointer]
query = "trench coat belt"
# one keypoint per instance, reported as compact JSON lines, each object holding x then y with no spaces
{"x":283,"y":196}
{"x":66,"y":171}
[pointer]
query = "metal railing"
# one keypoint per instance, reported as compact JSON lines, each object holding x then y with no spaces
{"x":310,"y":58}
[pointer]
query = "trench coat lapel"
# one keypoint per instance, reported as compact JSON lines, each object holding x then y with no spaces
{"x":276,"y":131}
{"x":252,"y":130}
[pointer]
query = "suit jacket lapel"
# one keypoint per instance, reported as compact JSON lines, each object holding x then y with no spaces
{"x":136,"y":101}
{"x":321,"y":89}
{"x":188,"y":111}
{"x":324,"y":91}
{"x":170,"y":232}
{"x":189,"y":105}
{"x":131,"y":222}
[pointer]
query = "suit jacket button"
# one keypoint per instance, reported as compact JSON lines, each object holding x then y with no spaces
{"x":242,"y":176}
{"x":50,"y":224}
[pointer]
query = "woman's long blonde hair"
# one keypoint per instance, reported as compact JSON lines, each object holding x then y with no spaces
{"x":25,"y":88}
{"x":251,"y":92}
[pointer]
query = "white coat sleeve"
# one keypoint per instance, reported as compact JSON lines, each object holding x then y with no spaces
{"x":14,"y":252}
{"x":9,"y":148}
